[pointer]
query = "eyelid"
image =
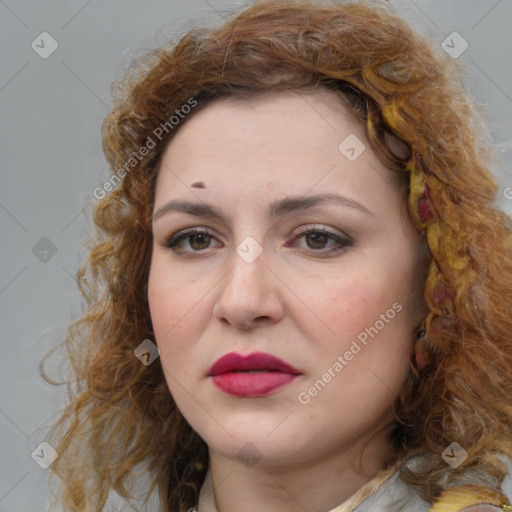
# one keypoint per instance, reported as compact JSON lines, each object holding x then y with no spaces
{"x":322,"y":228}
{"x":184,"y":233}
{"x":342,"y":240}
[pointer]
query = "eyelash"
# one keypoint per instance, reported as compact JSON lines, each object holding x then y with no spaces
{"x":343,"y":243}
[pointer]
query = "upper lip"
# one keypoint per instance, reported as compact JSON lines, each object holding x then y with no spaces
{"x":255,"y":361}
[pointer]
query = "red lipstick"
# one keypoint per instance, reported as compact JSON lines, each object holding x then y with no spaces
{"x":255,"y":375}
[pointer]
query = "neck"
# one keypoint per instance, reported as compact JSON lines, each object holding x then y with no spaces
{"x":309,"y":486}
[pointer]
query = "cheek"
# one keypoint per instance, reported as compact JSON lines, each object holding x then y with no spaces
{"x":345,"y":305}
{"x":369,"y":311}
{"x":171,"y":304}
{"x":175,"y":334}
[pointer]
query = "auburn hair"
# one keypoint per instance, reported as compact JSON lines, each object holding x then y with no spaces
{"x":121,"y":415}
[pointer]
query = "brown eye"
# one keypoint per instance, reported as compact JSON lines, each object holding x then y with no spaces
{"x":322,"y":241}
{"x":317,"y":240}
{"x":198,"y":239}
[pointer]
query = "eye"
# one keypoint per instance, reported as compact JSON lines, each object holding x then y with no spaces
{"x":198,"y":239}
{"x":318,"y":237}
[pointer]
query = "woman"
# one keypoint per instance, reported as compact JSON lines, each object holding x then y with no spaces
{"x":298,"y":298}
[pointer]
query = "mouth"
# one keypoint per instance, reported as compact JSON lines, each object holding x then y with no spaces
{"x":254,"y":371}
{"x":255,"y":375}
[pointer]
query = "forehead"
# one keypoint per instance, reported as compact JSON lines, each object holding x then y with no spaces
{"x":229,"y":127}
{"x":281,"y":142}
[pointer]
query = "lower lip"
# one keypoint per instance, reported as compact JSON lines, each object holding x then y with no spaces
{"x":252,"y":384}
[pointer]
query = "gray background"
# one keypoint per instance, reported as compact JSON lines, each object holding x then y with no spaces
{"x":51,"y":111}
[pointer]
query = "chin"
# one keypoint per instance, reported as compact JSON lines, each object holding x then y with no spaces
{"x":257,"y":439}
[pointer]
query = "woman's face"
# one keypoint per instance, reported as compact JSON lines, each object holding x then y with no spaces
{"x":305,"y":253}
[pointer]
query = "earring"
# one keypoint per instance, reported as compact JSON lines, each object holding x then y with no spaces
{"x":421,"y":332}
{"x":420,"y":355}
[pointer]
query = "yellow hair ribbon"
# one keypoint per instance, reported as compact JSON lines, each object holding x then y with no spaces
{"x":455,"y":499}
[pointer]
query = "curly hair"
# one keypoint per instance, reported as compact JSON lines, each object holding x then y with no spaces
{"x":121,"y":415}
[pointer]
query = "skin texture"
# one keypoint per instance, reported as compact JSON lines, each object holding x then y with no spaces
{"x":294,"y":300}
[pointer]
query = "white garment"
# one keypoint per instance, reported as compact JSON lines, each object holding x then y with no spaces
{"x":392,"y":496}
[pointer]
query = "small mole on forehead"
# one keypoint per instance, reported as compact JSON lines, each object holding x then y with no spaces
{"x":198,"y":184}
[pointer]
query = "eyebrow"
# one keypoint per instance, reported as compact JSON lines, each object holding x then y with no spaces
{"x":276,"y":209}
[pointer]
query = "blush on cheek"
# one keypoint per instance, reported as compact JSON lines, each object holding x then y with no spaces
{"x":178,"y":321}
{"x":165,"y":315}
{"x":352,"y":308}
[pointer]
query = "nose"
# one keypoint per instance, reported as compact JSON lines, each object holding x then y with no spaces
{"x":250,"y":295}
